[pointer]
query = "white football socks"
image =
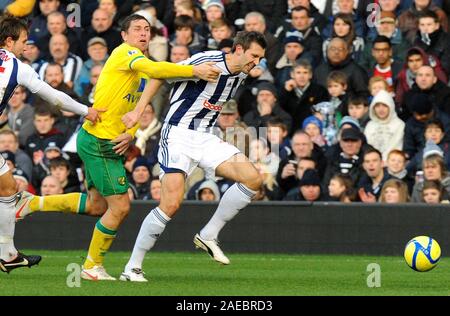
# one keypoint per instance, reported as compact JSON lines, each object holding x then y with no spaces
{"x":151,"y":228}
{"x":235,"y":198}
{"x":7,"y":225}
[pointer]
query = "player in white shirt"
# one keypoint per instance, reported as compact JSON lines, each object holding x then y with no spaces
{"x":13,"y":36}
{"x":185,"y":143}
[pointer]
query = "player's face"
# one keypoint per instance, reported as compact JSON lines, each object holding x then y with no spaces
{"x":138,"y":34}
{"x":251,"y":57}
{"x":19,"y":45}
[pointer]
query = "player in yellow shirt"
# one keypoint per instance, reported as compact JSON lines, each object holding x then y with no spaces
{"x":101,"y":146}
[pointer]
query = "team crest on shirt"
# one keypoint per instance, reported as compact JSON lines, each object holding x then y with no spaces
{"x":132,"y":52}
{"x":121,"y":180}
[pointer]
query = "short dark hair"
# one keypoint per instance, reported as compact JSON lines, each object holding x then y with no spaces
{"x":435,"y":122}
{"x":428,"y":14}
{"x":304,"y":63}
{"x":358,"y":99}
{"x":127,"y":21}
{"x":300,"y":8}
{"x":43,"y":111}
{"x":53,"y":64}
{"x":59,"y":162}
{"x":382,"y":39}
{"x":277,"y":122}
{"x":371,"y":150}
{"x":245,"y":39}
{"x":11,"y":27}
{"x":184,"y":21}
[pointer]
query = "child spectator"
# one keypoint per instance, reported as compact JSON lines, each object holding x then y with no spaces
{"x":358,"y":109}
{"x":377,"y":84}
{"x":337,"y":89}
{"x":277,"y":135}
{"x":220,"y":30}
{"x":385,"y":130}
{"x":433,"y":192}
{"x":260,"y":153}
{"x":341,"y":188}
{"x":434,"y":131}
{"x":60,"y":169}
{"x":314,"y":128}
{"x":185,"y":35}
{"x":396,"y":167}
{"x":394,"y":191}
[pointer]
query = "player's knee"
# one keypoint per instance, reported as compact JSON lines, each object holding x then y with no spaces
{"x":253,"y":182}
{"x":96,"y":207}
{"x":171,"y":207}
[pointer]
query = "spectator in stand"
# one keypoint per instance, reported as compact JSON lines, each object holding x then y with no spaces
{"x":185,"y":35}
{"x":20,"y":115}
{"x":277,"y":133}
{"x":98,"y":54}
{"x":416,"y":58}
{"x":385,"y":131}
{"x":294,"y":51}
{"x":272,"y":10}
{"x":214,"y":10}
{"x":208,"y":191}
{"x":9,"y":141}
{"x":60,"y":168}
{"x":260,"y":154}
{"x":347,"y":158}
{"x":433,"y":192}
{"x":434,"y":131}
{"x":346,"y":7}
{"x":220,"y":30}
{"x":319,"y":21}
{"x":394,"y":191}
{"x":38,"y":27}
{"x":88,"y":91}
{"x":51,"y":186}
{"x":22,"y":181}
{"x":155,"y":190}
{"x":434,"y":169}
{"x":408,"y":21}
{"x":266,"y":108}
{"x":299,"y":94}
{"x":301,"y":22}
{"x":32,"y":54}
{"x":386,"y":67}
{"x":56,"y":24}
{"x":396,"y":167}
{"x":101,"y":26}
{"x":309,"y":189}
{"x":59,"y":50}
{"x":148,"y":135}
{"x":314,"y":128}
{"x":255,"y":21}
{"x":428,"y":83}
{"x":386,"y":26}
{"x":302,"y":147}
{"x":339,"y":58}
{"x":358,"y":109}
{"x":141,"y":177}
{"x":433,"y":39}
{"x":376,"y":176}
{"x":341,"y":188}
{"x":343,"y":27}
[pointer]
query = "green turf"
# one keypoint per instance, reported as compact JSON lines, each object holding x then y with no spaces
{"x":248,"y":275}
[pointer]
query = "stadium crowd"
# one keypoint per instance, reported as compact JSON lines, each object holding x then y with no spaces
{"x":351,"y":103}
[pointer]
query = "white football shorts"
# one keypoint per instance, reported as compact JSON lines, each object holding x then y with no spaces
{"x":3,"y":166}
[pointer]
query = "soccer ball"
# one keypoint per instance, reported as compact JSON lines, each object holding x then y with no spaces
{"x":422,"y":253}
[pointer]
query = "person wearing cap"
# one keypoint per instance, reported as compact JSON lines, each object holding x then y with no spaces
{"x":141,"y":177}
{"x":10,"y":158}
{"x":267,"y":107}
{"x":408,"y":21}
{"x":234,"y":131}
{"x":423,"y":110}
{"x":308,"y":190}
{"x":387,"y":26}
{"x":294,"y":51}
{"x":98,"y":54}
{"x":346,"y":157}
{"x":32,"y":54}
{"x":434,"y":169}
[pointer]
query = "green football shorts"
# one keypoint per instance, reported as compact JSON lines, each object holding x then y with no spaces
{"x":104,"y":168}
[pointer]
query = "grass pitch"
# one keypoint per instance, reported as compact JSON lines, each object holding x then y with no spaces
{"x":195,"y":274}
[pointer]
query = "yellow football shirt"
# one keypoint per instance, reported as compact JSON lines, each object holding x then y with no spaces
{"x":120,"y":86}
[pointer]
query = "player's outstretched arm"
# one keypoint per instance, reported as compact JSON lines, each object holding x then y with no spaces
{"x":131,"y":118}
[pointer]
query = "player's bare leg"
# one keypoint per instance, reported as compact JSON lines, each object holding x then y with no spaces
{"x":172,"y":193}
{"x":237,"y":197}
{"x":10,"y":258}
{"x":103,"y":236}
